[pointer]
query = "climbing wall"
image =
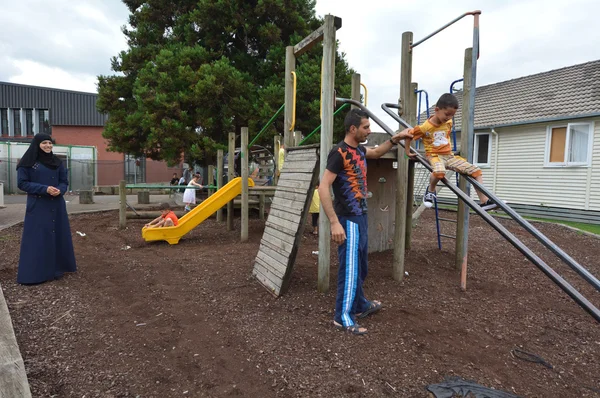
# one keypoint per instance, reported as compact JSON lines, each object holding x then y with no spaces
{"x":287,"y":218}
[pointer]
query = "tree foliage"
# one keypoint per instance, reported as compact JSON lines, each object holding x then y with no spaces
{"x":197,"y":70}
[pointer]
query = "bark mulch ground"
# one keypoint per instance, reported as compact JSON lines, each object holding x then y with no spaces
{"x":152,"y":320}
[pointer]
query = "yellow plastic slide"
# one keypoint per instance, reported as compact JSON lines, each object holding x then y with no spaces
{"x":198,"y":214}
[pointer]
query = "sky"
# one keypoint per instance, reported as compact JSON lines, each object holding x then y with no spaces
{"x":66,"y":44}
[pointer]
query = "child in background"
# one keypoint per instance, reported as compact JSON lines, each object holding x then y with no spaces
{"x":315,"y":207}
{"x":189,"y":196}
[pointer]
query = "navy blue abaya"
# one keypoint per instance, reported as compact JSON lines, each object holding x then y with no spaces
{"x":46,"y":246}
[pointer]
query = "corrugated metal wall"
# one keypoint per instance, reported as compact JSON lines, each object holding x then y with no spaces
{"x":67,"y":108}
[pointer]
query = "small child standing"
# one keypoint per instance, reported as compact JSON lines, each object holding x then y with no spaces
{"x":189,"y":196}
{"x":436,"y":139}
{"x":315,"y":207}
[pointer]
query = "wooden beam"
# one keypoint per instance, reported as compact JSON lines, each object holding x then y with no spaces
{"x":355,"y":89}
{"x":13,"y":379}
{"x":244,"y":153}
{"x":309,"y":41}
{"x":402,"y":171}
{"x":230,"y":176}
{"x":410,"y":178}
{"x":328,"y":102}
{"x":219,"y":180}
{"x":288,"y":114}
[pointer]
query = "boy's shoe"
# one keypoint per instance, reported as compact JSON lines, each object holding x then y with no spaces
{"x":429,"y":198}
{"x":187,"y":208}
{"x":489,"y":205}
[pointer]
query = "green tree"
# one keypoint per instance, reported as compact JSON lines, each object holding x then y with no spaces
{"x":197,"y":70}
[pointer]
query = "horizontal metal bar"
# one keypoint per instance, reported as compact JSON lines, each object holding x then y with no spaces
{"x":537,"y":261}
{"x":446,"y":219}
{"x":444,"y":27}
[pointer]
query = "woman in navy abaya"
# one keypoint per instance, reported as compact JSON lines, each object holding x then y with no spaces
{"x":46,"y":246}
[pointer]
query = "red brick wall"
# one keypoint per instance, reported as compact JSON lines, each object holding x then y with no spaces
{"x":111,"y":165}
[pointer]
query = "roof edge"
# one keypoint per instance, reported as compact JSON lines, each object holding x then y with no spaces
{"x":546,"y":120}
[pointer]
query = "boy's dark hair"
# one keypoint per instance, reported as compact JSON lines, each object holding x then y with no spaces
{"x":447,"y":101}
{"x":165,"y":206}
{"x":354,"y":118}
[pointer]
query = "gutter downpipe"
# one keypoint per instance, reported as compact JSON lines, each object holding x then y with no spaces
{"x":496,"y":139}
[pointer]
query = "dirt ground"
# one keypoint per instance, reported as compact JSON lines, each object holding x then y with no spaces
{"x":154,"y":320}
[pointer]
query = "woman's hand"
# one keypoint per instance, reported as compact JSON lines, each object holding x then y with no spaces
{"x":53,"y":191}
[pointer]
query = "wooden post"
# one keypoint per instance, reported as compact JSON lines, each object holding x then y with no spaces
{"x":123,"y":205}
{"x":290,"y":66}
{"x":244,"y":154}
{"x":411,"y":118}
{"x":466,"y":151}
{"x":355,"y":89}
{"x":211,"y":178}
{"x":276,"y":146}
{"x":219,"y":180}
{"x":297,"y":137}
{"x":402,"y":172}
{"x":327,"y":85}
{"x":230,"y":176}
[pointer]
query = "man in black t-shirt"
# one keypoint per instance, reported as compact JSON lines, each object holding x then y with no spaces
{"x":346,"y":173}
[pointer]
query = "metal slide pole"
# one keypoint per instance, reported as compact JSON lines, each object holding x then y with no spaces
{"x":545,"y":268}
{"x":584,"y":273}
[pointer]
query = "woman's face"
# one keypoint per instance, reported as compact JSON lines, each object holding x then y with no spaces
{"x":46,"y":146}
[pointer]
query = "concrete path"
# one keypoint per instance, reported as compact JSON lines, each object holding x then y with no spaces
{"x":14,"y":210}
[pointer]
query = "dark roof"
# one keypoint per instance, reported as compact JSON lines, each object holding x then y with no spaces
{"x":563,"y":93}
{"x":67,"y":108}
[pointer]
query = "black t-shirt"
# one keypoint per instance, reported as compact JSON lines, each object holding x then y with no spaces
{"x":174,"y":181}
{"x":350,"y":185}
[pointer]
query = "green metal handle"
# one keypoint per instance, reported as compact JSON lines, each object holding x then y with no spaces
{"x":269,"y":123}
{"x":319,"y":127}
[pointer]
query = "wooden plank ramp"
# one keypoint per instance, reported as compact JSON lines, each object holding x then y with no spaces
{"x":285,"y":225}
{"x":13,"y":379}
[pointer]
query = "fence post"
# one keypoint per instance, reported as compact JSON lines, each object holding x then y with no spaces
{"x":123,"y":205}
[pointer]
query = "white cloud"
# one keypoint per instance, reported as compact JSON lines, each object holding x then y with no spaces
{"x":67,"y":44}
{"x":517,"y":39}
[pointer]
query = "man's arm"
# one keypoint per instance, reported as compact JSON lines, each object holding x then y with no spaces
{"x":376,"y":153}
{"x":337,"y":231}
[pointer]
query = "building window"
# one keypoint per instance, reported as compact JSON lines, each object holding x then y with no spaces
{"x":4,"y":121}
{"x":44,"y":121}
{"x":29,"y":121}
{"x":135,"y":169}
{"x":17,"y":122}
{"x":569,"y":146}
{"x":483,"y":149}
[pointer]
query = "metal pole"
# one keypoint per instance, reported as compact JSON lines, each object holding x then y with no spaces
{"x":327,"y":95}
{"x":474,"y":13}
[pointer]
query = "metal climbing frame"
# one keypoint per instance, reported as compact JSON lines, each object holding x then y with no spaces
{"x":526,"y":251}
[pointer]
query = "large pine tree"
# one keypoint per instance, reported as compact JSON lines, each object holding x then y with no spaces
{"x":197,"y":70}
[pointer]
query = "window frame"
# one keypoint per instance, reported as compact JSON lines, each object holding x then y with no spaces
{"x":476,"y":150}
{"x":565,"y":162}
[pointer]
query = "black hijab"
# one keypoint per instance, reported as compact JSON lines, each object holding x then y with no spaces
{"x":35,"y":154}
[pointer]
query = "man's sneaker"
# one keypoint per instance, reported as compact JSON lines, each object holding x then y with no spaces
{"x":489,"y":205}
{"x":428,"y":198}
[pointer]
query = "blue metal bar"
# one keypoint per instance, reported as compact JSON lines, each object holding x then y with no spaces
{"x":526,"y":251}
{"x":437,"y":223}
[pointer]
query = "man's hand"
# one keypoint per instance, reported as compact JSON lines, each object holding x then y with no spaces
{"x":400,"y":135}
{"x":338,"y":235}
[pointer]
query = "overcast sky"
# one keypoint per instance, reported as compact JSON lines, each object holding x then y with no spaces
{"x":66,"y":44}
